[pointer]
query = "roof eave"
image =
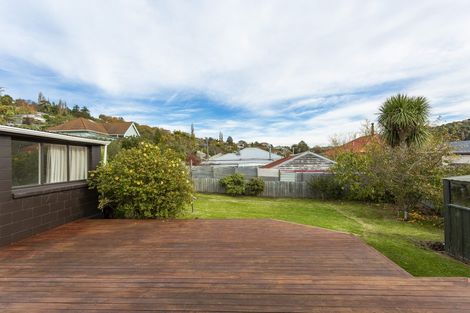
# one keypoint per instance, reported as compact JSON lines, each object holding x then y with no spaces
{"x":50,"y":135}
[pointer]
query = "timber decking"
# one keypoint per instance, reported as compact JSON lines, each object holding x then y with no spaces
{"x":212,"y":266}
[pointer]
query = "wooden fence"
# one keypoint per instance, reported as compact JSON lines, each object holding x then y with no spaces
{"x":272,"y":189}
{"x":267,"y":174}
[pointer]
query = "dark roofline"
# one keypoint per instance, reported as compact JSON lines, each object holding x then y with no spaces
{"x":48,"y":135}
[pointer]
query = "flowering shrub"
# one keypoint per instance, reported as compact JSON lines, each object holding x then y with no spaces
{"x":143,"y":182}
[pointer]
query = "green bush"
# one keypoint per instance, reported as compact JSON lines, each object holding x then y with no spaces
{"x":364,"y":175}
{"x":124,"y":143}
{"x":327,"y":186}
{"x":406,"y":176}
{"x":143,"y":182}
{"x":255,"y":186}
{"x":234,"y":184}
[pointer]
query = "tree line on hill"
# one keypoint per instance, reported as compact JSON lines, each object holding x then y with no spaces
{"x":457,"y":130}
{"x":191,"y":147}
{"x":188,"y":145}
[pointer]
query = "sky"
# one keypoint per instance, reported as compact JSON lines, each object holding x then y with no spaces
{"x":268,"y":71}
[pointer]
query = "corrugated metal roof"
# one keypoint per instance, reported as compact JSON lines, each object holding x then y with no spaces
{"x":248,"y":154}
{"x":460,"y":146}
{"x":244,"y":157}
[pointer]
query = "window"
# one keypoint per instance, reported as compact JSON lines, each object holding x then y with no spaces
{"x":25,"y":163}
{"x":78,"y":160}
{"x":54,"y":163}
{"x":43,"y":163}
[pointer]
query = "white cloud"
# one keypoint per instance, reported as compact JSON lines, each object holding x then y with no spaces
{"x":280,"y":60}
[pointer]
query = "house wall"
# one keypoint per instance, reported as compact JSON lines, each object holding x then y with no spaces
{"x":28,"y":211}
{"x":131,"y":132}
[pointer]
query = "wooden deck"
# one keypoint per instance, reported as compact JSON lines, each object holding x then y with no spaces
{"x":212,"y":266}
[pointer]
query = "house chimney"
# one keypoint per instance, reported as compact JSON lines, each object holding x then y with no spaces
{"x":372,"y":131}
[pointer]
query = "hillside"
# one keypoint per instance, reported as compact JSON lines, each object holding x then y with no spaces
{"x":457,"y":130}
{"x":43,"y":113}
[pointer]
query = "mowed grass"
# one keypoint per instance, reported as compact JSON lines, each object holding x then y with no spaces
{"x":375,"y":224}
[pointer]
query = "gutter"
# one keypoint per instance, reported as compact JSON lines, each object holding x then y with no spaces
{"x":43,"y":134}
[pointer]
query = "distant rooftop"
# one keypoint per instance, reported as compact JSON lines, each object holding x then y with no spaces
{"x":114,"y":128}
{"x":465,"y":178}
{"x":357,"y":145}
{"x":244,"y":157}
{"x":461,"y":147}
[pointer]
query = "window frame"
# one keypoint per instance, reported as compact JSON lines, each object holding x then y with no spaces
{"x":41,"y":161}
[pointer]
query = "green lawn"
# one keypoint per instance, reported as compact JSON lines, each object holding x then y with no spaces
{"x":376,"y":225}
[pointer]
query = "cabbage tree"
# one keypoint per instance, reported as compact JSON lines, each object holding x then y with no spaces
{"x":404,"y":120}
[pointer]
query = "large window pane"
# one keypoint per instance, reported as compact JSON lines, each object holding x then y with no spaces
{"x":54,"y":163}
{"x":25,"y":163}
{"x":78,"y":162}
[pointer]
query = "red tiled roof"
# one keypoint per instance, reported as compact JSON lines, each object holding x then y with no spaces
{"x":116,"y":128}
{"x":277,"y":162}
{"x":356,"y":145}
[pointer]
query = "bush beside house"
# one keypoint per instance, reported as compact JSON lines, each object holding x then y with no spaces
{"x":143,"y":182}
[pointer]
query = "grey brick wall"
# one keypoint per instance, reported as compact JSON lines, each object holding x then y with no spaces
{"x":26,"y":216}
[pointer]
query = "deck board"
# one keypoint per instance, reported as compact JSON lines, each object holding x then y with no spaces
{"x":212,"y":266}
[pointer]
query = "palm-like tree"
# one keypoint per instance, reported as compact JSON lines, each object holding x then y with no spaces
{"x":404,"y":120}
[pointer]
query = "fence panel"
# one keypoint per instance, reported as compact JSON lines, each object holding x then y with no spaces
{"x":272,"y":189}
{"x":207,"y":185}
{"x":457,"y":216}
{"x":248,"y":172}
{"x":201,"y":172}
{"x":221,"y":172}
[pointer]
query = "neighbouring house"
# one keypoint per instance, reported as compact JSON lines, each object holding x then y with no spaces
{"x":289,"y":168}
{"x":28,"y":119}
{"x":83,"y":127}
{"x":43,"y":180}
{"x":245,"y":157}
{"x":462,"y":152}
{"x":357,"y":145}
{"x":201,"y":155}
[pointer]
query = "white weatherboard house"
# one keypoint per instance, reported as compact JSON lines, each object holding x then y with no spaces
{"x":244,"y":157}
{"x":287,"y":168}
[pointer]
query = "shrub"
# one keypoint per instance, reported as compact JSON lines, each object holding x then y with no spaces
{"x":143,"y":182}
{"x":234,"y":184}
{"x":362,"y":174}
{"x":255,"y":186}
{"x":327,"y":186}
{"x":124,"y":143}
{"x":407,"y":176}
